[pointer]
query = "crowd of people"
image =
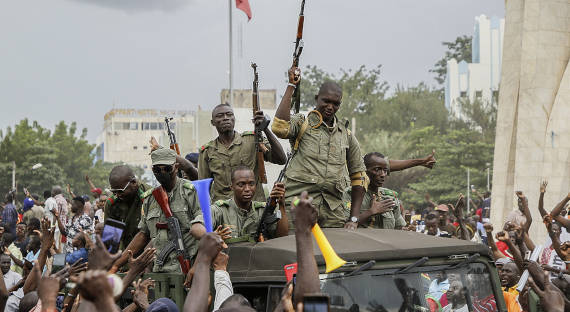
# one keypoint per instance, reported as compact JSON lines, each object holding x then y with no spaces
{"x":55,"y":259}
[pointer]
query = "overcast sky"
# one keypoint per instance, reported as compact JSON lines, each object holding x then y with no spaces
{"x":74,"y":60}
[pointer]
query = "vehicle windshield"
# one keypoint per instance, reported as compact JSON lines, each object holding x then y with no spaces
{"x":431,"y":288}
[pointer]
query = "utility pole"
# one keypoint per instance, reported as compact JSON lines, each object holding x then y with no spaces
{"x":468,"y":190}
{"x":488,"y":177}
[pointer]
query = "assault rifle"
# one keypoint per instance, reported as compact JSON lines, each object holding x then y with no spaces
{"x":267,"y":217}
{"x":296,"y":55}
{"x":259,"y":147}
{"x":176,"y":243}
{"x":172,"y":138}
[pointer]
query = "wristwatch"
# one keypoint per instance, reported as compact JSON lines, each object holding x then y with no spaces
{"x":354,"y":219}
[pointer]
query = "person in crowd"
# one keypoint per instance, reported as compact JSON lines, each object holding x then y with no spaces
{"x":126,"y":203}
{"x":193,"y":158}
{"x":219,"y":157}
{"x":456,"y":295}
{"x":33,"y":249}
{"x":381,"y":207}
{"x":50,"y":205}
{"x":509,"y":275}
{"x":12,"y":251}
{"x":99,"y":216}
{"x":184,"y":206}
{"x":13,"y":283}
{"x":78,"y":223}
{"x":222,"y":282}
{"x":79,"y":252}
{"x":242,"y":215}
{"x":21,"y":240}
{"x":9,"y":214}
{"x":36,"y":211}
{"x":327,"y":156}
{"x":432,"y":226}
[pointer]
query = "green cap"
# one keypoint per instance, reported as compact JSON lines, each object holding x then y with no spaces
{"x":163,"y":156}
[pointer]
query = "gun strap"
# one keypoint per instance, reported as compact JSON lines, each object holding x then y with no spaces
{"x":304,"y":127}
{"x":165,"y":210}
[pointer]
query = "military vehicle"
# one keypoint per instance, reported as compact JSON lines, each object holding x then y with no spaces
{"x":385,"y":270}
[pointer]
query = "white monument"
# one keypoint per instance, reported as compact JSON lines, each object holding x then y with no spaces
{"x":533,"y":122}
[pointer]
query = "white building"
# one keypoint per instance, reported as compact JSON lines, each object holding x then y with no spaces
{"x":480,"y":79}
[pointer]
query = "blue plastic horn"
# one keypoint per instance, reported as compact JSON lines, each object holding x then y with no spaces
{"x":203,"y":190}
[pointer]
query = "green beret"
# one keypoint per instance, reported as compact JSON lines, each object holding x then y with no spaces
{"x":163,"y":156}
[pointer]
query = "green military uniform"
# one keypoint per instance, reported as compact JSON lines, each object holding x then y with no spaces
{"x":217,"y":161}
{"x":243,"y":223}
{"x":387,"y":220}
{"x":326,"y":158}
{"x":184,"y":204}
{"x":129,"y":214}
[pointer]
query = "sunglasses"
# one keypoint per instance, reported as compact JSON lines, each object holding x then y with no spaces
{"x":165,"y":169}
{"x":115,"y":191}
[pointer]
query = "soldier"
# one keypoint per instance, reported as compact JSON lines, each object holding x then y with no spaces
{"x":126,"y":203}
{"x":184,"y":205}
{"x":218,"y":158}
{"x":241,"y":214}
{"x":328,"y":155}
{"x":381,"y":207}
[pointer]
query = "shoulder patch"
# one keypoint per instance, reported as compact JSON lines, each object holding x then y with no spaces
{"x":221,"y":202}
{"x":188,"y":185}
{"x":146,"y":194}
{"x":111,"y":200}
{"x":205,"y":146}
{"x":248,"y":133}
{"x":258,"y":205}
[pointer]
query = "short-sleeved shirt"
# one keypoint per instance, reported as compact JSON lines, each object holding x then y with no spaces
{"x":243,"y":223}
{"x":217,"y":161}
{"x":10,"y":279}
{"x":74,"y":226}
{"x":387,"y":220}
{"x":326,"y":157}
{"x":185,"y":207}
{"x":130,"y":214}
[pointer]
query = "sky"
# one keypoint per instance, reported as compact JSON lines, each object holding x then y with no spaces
{"x":74,"y":60}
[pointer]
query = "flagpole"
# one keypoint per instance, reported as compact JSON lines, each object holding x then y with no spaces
{"x":230,"y":52}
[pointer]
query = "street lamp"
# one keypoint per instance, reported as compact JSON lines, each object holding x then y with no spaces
{"x":488,"y":177}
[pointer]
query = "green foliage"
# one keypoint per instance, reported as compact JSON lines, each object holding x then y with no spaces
{"x":460,"y":50}
{"x":64,"y":155}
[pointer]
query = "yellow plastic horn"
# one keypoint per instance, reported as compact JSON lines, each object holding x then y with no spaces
{"x":332,"y":260}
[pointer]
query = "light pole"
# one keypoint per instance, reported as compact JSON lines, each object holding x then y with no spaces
{"x":488,"y":177}
{"x":468,"y":189}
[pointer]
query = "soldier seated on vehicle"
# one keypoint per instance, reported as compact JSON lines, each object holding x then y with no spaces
{"x":242,"y":215}
{"x":184,"y":205}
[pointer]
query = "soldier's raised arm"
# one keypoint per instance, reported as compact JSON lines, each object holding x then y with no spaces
{"x":283,"y":111}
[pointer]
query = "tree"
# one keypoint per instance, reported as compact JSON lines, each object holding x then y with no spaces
{"x":460,"y":50}
{"x":478,"y":115}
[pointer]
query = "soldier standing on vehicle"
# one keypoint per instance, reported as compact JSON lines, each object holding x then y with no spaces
{"x":185,"y":207}
{"x":242,"y":215}
{"x":381,"y":207}
{"x":328,"y":155}
{"x":126,"y":202}
{"x":219,"y":157}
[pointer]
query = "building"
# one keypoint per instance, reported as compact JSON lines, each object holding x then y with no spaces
{"x":480,"y":79}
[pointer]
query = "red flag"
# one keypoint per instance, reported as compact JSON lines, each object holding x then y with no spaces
{"x":244,"y":6}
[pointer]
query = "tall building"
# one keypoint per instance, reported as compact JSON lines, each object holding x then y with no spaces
{"x":480,"y":79}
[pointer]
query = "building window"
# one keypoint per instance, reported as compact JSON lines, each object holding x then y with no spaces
{"x":145,"y":147}
{"x":153,"y":125}
{"x":145,"y":125}
{"x":134,"y":147}
{"x":133,"y":125}
{"x":478,"y":94}
{"x":463,"y":94}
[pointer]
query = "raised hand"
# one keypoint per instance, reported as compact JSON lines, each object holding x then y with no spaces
{"x":100,"y":258}
{"x":78,"y":267}
{"x":430,"y":160}
{"x":153,"y":144}
{"x":225,"y":233}
{"x":551,"y":298}
{"x":278,"y":192}
{"x":48,"y":289}
{"x":503,"y":236}
{"x":94,"y":286}
{"x":210,"y":245}
{"x":305,"y":213}
{"x":137,"y":265}
{"x":294,"y":74}
{"x":488,"y":227}
{"x":140,"y":293}
{"x":543,"y":186}
{"x":221,"y":262}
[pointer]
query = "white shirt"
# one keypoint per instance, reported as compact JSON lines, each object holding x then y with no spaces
{"x":50,"y":205}
{"x":10,"y":279}
{"x":100,"y":214}
{"x":223,"y":286}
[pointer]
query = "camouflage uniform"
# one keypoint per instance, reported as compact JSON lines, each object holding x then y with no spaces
{"x":387,"y":220}
{"x":129,"y":214}
{"x":217,"y":161}
{"x":243,"y":223}
{"x":326,"y":161}
{"x":185,"y":206}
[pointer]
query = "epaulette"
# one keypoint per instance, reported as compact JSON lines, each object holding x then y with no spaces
{"x":258,"y":205}
{"x":346,"y":124}
{"x":188,"y":185}
{"x":205,"y":146}
{"x":221,"y":202}
{"x":248,"y":133}
{"x":111,"y":200}
{"x":146,"y":194}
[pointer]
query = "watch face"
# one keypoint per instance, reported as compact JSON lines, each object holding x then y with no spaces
{"x":354,"y":219}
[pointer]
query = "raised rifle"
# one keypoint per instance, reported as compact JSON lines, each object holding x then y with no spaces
{"x":176,"y":243}
{"x":296,"y":55}
{"x":172,"y":138}
{"x":267,"y":217}
{"x":259,"y":146}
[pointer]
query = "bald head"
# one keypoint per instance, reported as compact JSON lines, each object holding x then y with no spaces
{"x":330,"y":87}
{"x":56,"y":190}
{"x":121,"y":172}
